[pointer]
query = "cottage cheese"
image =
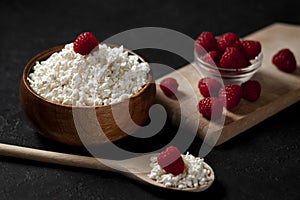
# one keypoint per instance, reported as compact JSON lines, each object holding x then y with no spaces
{"x":105,"y":76}
{"x":193,"y":176}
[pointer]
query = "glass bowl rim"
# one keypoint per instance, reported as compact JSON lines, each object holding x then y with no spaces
{"x":256,"y":63}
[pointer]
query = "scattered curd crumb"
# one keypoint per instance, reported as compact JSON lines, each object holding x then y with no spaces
{"x":104,"y":76}
{"x":193,"y":176}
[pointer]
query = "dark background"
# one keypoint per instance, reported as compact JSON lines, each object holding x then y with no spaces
{"x":261,"y":163}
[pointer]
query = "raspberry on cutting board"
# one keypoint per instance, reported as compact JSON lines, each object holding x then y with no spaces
{"x":211,"y":108}
{"x":251,"y":90}
{"x":169,"y":86}
{"x":209,"y":87}
{"x":285,"y":60}
{"x":231,"y":95}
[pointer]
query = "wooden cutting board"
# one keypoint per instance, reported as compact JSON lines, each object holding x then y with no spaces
{"x":279,"y":89}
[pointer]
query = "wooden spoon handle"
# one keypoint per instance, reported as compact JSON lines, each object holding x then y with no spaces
{"x":52,"y":157}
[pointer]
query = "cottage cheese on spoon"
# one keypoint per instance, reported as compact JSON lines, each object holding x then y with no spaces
{"x":195,"y":174}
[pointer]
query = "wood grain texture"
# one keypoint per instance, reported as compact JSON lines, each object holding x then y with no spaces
{"x":279,"y":89}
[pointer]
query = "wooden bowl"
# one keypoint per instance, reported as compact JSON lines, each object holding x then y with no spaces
{"x":58,"y":121}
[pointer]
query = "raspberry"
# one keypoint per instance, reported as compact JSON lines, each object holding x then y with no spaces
{"x":209,"y":87}
{"x":171,"y":161}
{"x":230,"y":95}
{"x":212,"y":57}
{"x":233,"y":58}
{"x":251,"y":90}
{"x":210,"y":108}
{"x":228,"y":40}
{"x":285,"y":60}
{"x":169,"y":86}
{"x":250,"y":48}
{"x":85,"y":43}
{"x":206,"y":40}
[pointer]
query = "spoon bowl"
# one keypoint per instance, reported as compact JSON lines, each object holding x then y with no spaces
{"x":136,"y":168}
{"x":139,"y":169}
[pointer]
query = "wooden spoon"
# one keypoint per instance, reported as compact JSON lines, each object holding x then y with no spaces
{"x":136,"y":168}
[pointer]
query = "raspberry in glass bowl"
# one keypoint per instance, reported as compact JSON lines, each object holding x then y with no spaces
{"x":232,"y":60}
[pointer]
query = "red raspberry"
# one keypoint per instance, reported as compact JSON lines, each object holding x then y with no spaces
{"x":212,"y":57}
{"x":169,"y":86}
{"x":171,"y":160}
{"x":209,"y":87}
{"x":206,"y":40}
{"x":85,"y":43}
{"x":251,"y":90}
{"x":210,"y":108}
{"x":285,"y":60}
{"x":230,"y":95}
{"x":228,"y":40}
{"x":233,"y":58}
{"x":250,"y":48}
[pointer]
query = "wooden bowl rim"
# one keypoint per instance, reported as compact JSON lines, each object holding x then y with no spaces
{"x":41,"y":56}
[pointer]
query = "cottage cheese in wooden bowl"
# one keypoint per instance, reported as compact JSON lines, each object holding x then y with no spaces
{"x":59,"y":81}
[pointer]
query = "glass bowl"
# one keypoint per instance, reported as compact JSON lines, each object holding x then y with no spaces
{"x":228,"y":75}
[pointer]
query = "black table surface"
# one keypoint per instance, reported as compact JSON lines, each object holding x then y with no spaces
{"x":261,"y":163}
